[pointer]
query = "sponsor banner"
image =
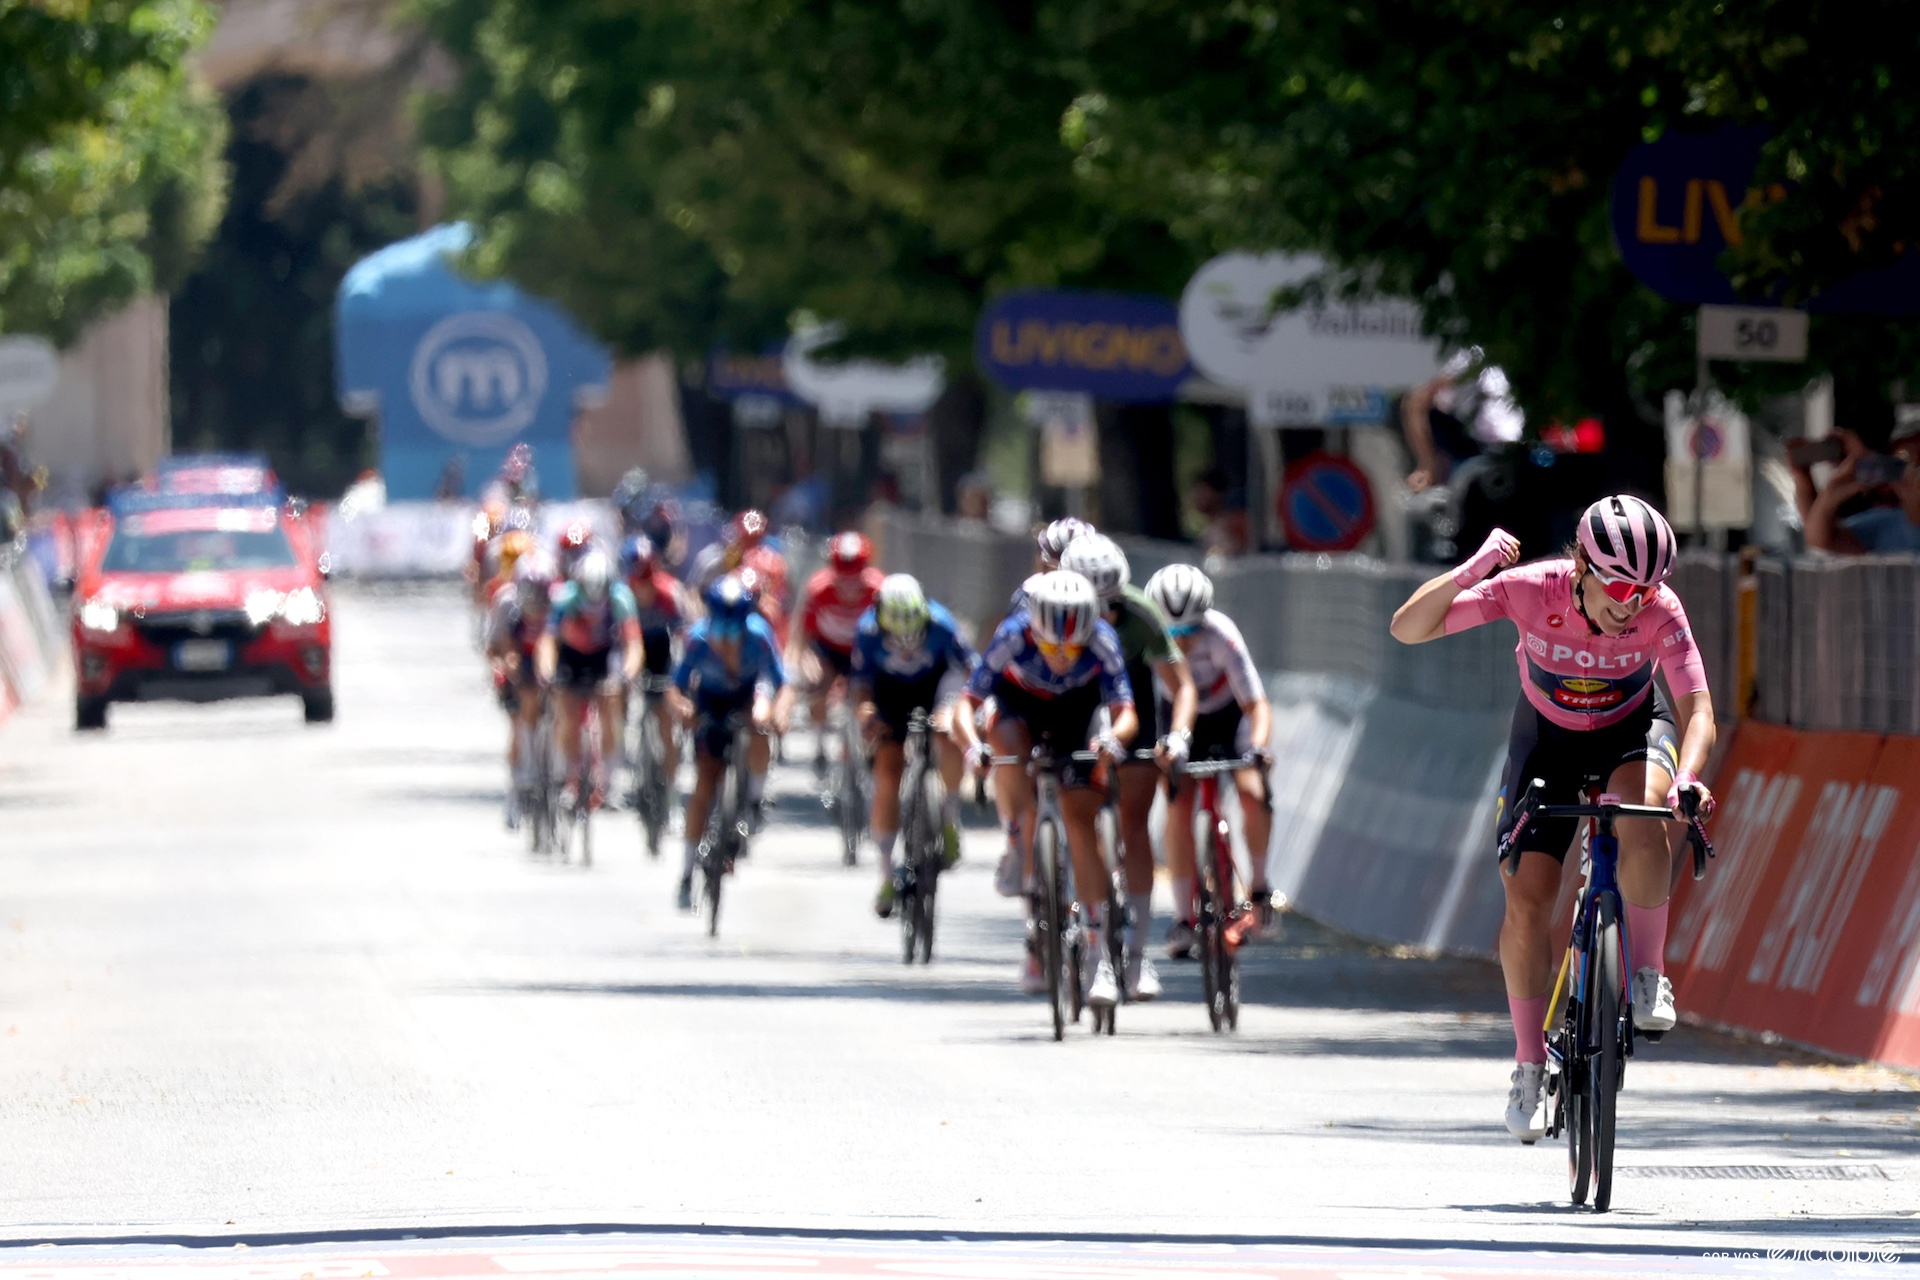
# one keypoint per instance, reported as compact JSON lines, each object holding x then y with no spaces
{"x":458,"y":371}
{"x":1808,"y":923}
{"x":1112,"y":346}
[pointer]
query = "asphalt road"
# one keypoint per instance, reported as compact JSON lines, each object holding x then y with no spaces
{"x":261,"y":978}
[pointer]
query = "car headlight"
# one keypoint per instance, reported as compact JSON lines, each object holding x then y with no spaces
{"x":263,"y":607}
{"x":98,"y":615}
{"x":302,"y":607}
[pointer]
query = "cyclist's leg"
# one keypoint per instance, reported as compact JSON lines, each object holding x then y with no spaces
{"x":1646,"y":866}
{"x":1013,"y":792}
{"x":1534,"y":749}
{"x":1256,"y":807}
{"x":884,"y":818}
{"x":817,"y":677}
{"x":1180,"y":868}
{"x":947,"y":758}
{"x":759,"y":758}
{"x":709,"y":745}
{"x":569,"y":711}
{"x":1137,"y":783}
{"x":669,"y":743}
{"x":613,"y":725}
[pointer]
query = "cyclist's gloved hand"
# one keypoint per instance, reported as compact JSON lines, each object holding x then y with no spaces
{"x":1173,"y":750}
{"x":1109,"y":746}
{"x":1497,"y":552}
{"x":1685,"y":780}
{"x":1263,"y":756}
{"x":979,"y":756}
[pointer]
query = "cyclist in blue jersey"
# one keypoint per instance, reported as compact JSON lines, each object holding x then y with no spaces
{"x":907,"y":656}
{"x":591,"y":649}
{"x":729,"y":662}
{"x":1050,"y":668}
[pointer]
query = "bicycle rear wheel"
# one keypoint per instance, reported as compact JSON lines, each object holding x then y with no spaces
{"x":655,"y":789}
{"x":1219,"y":975}
{"x":1116,"y":942}
{"x":1052,"y":926}
{"x":1607,"y":1066}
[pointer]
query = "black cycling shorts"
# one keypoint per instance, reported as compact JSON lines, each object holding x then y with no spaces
{"x":1154,"y":721}
{"x":1217,"y":735}
{"x":1569,"y":760}
{"x":584,"y":672}
{"x":833,"y":662}
{"x":712,"y":735}
{"x":1063,"y":723}
{"x":895,"y":700}
{"x":658,"y":643}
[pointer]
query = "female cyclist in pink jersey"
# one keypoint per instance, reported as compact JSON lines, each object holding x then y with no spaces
{"x":1594,"y":624}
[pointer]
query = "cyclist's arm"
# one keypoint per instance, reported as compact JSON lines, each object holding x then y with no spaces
{"x":1186,"y":700}
{"x":1698,"y":729}
{"x":1259,"y":721}
{"x":1424,"y":616}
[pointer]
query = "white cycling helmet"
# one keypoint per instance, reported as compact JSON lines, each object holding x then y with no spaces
{"x":901,"y":609}
{"x":1095,"y":557}
{"x":1627,"y":540}
{"x":594,"y":573}
{"x":1053,"y":540}
{"x":1183,"y":594}
{"x":1061,"y":608}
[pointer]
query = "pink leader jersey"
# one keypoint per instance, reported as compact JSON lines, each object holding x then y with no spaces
{"x":1575,"y":678}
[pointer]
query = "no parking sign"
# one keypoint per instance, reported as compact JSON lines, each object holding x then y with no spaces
{"x":1325,"y":503}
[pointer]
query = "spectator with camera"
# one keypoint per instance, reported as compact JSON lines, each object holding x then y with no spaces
{"x":1889,"y":483}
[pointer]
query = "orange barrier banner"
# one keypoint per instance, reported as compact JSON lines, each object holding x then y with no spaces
{"x":1808,"y":924}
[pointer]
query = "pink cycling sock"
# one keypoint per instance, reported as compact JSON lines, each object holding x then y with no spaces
{"x":1647,"y":936}
{"x":1529,"y":1028}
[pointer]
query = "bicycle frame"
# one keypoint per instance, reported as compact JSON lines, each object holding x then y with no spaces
{"x":1044,"y":768}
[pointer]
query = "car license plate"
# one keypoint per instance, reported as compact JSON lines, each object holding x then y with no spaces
{"x":202,"y":655}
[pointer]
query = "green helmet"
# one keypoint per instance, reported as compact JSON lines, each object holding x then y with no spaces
{"x":902,"y":609}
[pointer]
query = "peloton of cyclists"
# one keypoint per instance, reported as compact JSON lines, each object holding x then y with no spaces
{"x":591,"y":649}
{"x":908,"y":656}
{"x":831,"y":606}
{"x":1050,"y":668}
{"x":1593,"y":624}
{"x":1153,"y":662}
{"x":730,"y":663}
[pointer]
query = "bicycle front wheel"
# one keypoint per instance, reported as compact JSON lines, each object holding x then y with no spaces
{"x":1606,"y":1069}
{"x":1052,"y":925}
{"x":1577,"y":1121}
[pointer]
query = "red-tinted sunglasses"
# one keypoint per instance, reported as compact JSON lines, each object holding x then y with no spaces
{"x":1620,"y":591}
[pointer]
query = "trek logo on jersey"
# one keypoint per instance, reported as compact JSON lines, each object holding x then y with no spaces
{"x":1587,"y":693}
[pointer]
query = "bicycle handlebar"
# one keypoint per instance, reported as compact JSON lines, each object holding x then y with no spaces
{"x":1530,"y":808}
{"x":1213,"y":768}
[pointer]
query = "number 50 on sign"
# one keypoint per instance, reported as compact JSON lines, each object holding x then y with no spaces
{"x":1752,"y":333}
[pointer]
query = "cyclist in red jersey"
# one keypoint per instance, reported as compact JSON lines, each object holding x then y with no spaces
{"x":830,"y":607}
{"x":1593,"y":625}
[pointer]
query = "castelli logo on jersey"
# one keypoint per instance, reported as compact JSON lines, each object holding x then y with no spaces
{"x":1556,"y":620}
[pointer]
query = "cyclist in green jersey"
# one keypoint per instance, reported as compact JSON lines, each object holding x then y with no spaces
{"x":1150,"y":652}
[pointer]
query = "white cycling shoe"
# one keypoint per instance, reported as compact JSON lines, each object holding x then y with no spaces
{"x":1104,"y":991}
{"x":1526,"y":1102}
{"x":1653,"y":1002}
{"x":1008,"y":881}
{"x":1033,"y":981}
{"x":1143,"y":982}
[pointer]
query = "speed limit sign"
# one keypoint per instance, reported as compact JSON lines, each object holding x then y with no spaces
{"x":1752,"y":333}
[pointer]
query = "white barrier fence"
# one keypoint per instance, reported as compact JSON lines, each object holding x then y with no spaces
{"x":31,"y":633}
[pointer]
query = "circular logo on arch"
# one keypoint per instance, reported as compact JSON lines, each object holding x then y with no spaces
{"x":478,"y":378}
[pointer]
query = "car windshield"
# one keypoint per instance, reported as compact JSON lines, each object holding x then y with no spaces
{"x":150,"y":545}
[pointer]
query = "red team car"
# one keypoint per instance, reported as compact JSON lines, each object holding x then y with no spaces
{"x":199,"y":585}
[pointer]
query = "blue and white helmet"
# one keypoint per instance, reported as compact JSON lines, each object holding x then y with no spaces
{"x":1182,"y":592}
{"x":1062,"y":608}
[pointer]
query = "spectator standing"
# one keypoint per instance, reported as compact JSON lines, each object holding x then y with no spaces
{"x":1891,"y":523}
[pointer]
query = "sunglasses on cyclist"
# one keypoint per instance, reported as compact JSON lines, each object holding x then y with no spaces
{"x":1062,"y":649}
{"x":1620,"y":591}
{"x":1180,"y":630}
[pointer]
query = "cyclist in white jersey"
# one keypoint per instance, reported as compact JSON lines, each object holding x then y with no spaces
{"x":1235,"y":721}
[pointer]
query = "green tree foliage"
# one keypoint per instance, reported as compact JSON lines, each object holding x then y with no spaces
{"x":1462,"y":152}
{"x":110,"y":175}
{"x":687,"y":172}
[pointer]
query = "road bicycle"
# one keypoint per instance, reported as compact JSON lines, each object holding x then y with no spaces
{"x":653,"y":789}
{"x":573,"y":814}
{"x":923,"y":853}
{"x":1219,"y":910}
{"x":850,"y":790}
{"x":728,"y":822}
{"x":1119,"y":915}
{"x":1056,"y":917}
{"x":1589,"y":1025}
{"x":540,"y":794}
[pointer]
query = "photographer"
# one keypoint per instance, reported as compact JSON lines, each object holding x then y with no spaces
{"x":1890,"y":482}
